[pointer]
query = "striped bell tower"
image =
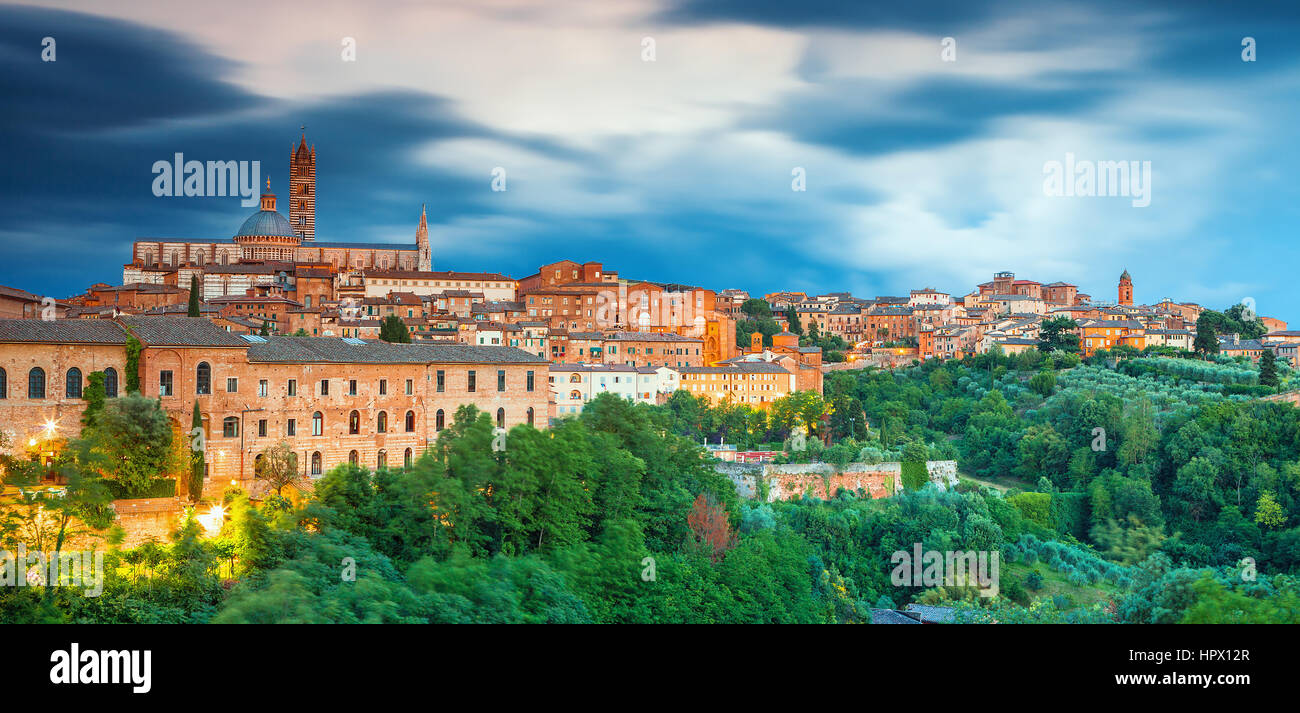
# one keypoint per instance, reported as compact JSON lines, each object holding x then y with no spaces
{"x":302,"y":189}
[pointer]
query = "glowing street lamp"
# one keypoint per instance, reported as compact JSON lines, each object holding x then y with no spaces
{"x":211,"y":522}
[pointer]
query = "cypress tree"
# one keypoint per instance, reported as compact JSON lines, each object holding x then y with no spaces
{"x":198,"y":462}
{"x":194,"y":296}
{"x":1268,"y":368}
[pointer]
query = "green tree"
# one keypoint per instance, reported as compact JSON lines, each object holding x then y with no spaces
{"x":195,"y":295}
{"x":393,"y":330}
{"x":756,"y":307}
{"x":1208,"y":328}
{"x":1043,"y":383}
{"x":1268,"y":368}
{"x":792,"y":317}
{"x":130,"y":442}
{"x":1269,"y":512}
{"x":1057,"y":334}
{"x":198,"y":456}
{"x":277,"y":465}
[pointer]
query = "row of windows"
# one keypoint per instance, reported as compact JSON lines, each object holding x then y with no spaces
{"x":72,"y":383}
{"x":203,"y":383}
{"x":230,"y":424}
{"x":354,"y":458}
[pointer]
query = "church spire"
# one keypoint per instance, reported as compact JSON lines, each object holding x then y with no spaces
{"x":422,"y":242}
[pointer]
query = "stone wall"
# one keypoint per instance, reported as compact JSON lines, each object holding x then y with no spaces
{"x":823,"y":480}
{"x":743,"y":475}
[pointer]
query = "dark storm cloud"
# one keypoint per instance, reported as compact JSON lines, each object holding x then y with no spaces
{"x":83,"y":132}
{"x":949,"y":16}
{"x":847,"y":114}
{"x":108,"y":74}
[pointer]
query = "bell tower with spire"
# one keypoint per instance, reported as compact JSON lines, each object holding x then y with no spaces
{"x":302,"y":189}
{"x":422,"y":243}
{"x":1125,"y":289}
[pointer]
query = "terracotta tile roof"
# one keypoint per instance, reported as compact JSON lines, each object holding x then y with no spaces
{"x":362,"y":351}
{"x":181,"y":332}
{"x":62,"y":331}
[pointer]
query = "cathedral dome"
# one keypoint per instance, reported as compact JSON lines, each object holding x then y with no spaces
{"x":268,"y":223}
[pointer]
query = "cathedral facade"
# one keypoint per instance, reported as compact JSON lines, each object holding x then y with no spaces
{"x":268,"y":242}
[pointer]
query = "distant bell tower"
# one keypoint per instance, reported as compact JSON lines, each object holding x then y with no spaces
{"x":1125,"y":289}
{"x":302,"y":189}
{"x":422,"y":243}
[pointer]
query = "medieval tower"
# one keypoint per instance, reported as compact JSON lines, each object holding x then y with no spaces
{"x":422,"y":243}
{"x":302,"y":190}
{"x":1125,"y":289}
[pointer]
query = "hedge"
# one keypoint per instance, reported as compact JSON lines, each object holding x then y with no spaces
{"x":159,"y":488}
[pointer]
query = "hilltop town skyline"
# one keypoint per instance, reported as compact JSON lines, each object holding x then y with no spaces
{"x":674,"y":155}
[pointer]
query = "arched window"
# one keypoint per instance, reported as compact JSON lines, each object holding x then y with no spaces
{"x":575,"y":379}
{"x":203,"y":378}
{"x":439,"y":420}
{"x":381,"y":423}
{"x":353,"y":457}
{"x":73,"y":383}
{"x":230,"y":427}
{"x":381,"y":460}
{"x":406,"y":458}
{"x":354,"y":422}
{"x":501,"y":418}
{"x":575,"y":395}
{"x":410,"y":421}
{"x":4,"y":384}
{"x":36,"y":383}
{"x":317,"y":424}
{"x":110,"y":382}
{"x":315,"y":463}
{"x":530,"y":415}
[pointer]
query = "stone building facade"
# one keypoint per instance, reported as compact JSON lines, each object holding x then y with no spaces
{"x":332,"y":400}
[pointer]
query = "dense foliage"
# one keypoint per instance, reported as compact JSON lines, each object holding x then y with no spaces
{"x":1136,"y":493}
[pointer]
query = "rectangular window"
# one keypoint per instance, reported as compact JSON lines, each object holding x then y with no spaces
{"x":472,"y":381}
{"x":291,"y":427}
{"x":261,"y":428}
{"x":530,"y":381}
{"x":293,"y":387}
{"x":501,"y":379}
{"x":232,"y":385}
{"x":383,"y":387}
{"x":164,"y":383}
{"x":442,"y":381}
{"x":324,"y":387}
{"x":230,"y":428}
{"x":262,"y":387}
{"x":352,"y":387}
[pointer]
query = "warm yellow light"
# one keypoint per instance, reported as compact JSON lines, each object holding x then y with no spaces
{"x":51,"y":426}
{"x":32,"y":442}
{"x":211,"y":522}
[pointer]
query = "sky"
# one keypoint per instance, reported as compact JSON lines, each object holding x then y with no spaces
{"x":663,"y":137}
